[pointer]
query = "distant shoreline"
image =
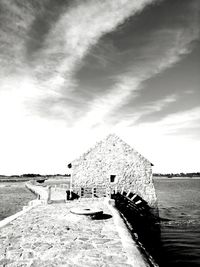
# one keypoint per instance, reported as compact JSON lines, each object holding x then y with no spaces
{"x":175,"y":178}
{"x":16,"y":180}
{"x":13,"y":178}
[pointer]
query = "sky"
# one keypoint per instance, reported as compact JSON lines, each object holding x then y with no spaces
{"x":74,"y":71}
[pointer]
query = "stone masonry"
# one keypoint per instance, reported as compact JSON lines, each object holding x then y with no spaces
{"x":50,"y":236}
{"x":113,"y":159}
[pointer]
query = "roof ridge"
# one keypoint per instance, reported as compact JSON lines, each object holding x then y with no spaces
{"x":111,"y":136}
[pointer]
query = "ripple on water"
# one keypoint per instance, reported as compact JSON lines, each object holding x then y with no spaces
{"x":180,"y":224}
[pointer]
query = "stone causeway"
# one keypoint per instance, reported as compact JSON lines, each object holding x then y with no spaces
{"x":50,"y":235}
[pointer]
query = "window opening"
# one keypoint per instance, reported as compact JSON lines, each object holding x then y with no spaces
{"x":69,"y":165}
{"x":112,"y":178}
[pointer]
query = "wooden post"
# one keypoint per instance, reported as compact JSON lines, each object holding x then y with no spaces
{"x":116,"y":189}
{"x":129,"y":191}
{"x":94,"y":192}
{"x":108,"y":192}
{"x":82,"y":191}
{"x":122,"y":191}
{"x":138,"y":202}
{"x":70,"y":186}
{"x":134,"y":196}
{"x":49,"y":194}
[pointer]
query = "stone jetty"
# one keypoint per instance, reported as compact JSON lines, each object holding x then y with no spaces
{"x":50,"y":235}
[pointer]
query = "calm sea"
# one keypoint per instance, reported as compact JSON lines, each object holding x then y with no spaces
{"x":179,"y":209}
{"x":13,"y":196}
{"x":179,"y":206}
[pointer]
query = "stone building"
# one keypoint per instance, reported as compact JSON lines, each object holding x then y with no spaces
{"x":113,"y":163}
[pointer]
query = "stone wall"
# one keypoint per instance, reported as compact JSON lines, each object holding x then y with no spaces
{"x":114,"y":157}
{"x":42,"y":192}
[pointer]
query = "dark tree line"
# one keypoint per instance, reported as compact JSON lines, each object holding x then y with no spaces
{"x":181,"y":174}
{"x":33,"y":175}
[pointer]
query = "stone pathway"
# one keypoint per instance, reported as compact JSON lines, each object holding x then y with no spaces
{"x":52,"y":236}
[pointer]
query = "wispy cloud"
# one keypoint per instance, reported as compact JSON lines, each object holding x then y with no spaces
{"x":178,"y":43}
{"x":44,"y":45}
{"x":69,"y":39}
{"x":184,"y":124}
{"x":153,"y":107}
{"x":64,"y":42}
{"x":179,"y":122}
{"x":73,"y":36}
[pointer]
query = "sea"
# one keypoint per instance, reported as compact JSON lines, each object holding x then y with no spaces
{"x":179,"y":210}
{"x":13,"y":197}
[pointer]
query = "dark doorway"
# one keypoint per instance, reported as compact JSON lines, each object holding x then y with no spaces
{"x":112,"y":178}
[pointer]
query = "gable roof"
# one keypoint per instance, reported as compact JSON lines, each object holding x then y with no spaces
{"x":112,"y":138}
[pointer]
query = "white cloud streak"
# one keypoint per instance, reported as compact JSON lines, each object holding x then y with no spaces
{"x":174,"y":123}
{"x":129,"y":84}
{"x":32,"y":144}
{"x":65,"y":45}
{"x":172,"y":143}
{"x":75,"y":33}
{"x":152,"y":107}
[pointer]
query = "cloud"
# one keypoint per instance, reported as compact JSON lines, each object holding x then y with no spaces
{"x":48,"y":56}
{"x":68,"y":38}
{"x":159,"y":105}
{"x":153,"y":107}
{"x":177,"y":123}
{"x":172,"y":143}
{"x":44,"y":44}
{"x":184,"y":124}
{"x":72,"y":37}
{"x":129,"y":84}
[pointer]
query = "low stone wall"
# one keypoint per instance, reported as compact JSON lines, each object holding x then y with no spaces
{"x":11,"y":218}
{"x":57,"y":193}
{"x":42,"y":192}
{"x":48,"y":193}
{"x":133,"y":250}
{"x":25,"y":209}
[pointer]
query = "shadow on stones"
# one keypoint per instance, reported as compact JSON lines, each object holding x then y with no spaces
{"x":56,"y":201}
{"x":144,"y":225}
{"x":102,"y":216}
{"x":72,"y":195}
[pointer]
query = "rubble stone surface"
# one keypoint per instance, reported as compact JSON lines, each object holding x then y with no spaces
{"x":50,"y":235}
